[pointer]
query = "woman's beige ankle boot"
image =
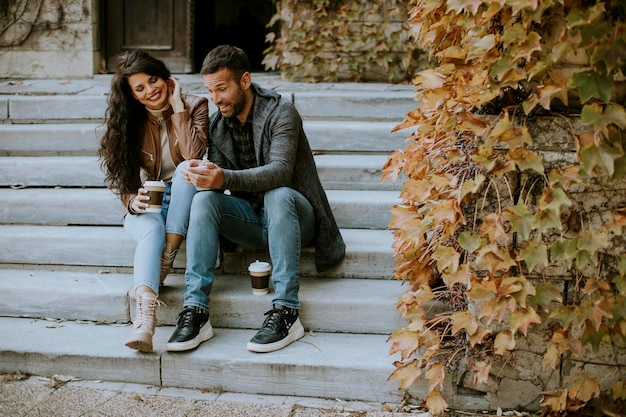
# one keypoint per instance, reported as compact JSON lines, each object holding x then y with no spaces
{"x":167,"y":260}
{"x":140,"y":337}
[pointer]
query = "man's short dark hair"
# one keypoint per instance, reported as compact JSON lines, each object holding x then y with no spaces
{"x":226,"y":56}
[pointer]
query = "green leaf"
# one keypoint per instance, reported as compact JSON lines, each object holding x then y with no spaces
{"x":554,"y":199}
{"x":469,"y":241}
{"x":593,"y":242}
{"x":566,"y":315}
{"x":591,"y":84}
{"x":545,"y":294}
{"x":589,"y":244}
{"x":620,"y":283}
{"x":590,"y":335}
{"x":535,"y":254}
{"x":621,"y":265}
{"x":525,"y":159}
{"x":471,"y":186}
{"x":504,"y":65}
{"x":514,"y":34}
{"x":601,"y":156}
{"x":610,"y":53}
{"x":564,"y":250}
{"x":599,"y":117}
{"x":520,"y":220}
{"x":546,"y":219}
{"x":583,"y":16}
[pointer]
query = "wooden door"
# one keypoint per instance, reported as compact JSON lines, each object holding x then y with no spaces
{"x":164,"y":28}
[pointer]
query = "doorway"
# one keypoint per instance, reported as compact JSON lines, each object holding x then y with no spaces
{"x":182,"y":32}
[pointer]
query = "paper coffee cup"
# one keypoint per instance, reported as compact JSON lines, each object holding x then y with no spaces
{"x":260,"y":277}
{"x":155,"y":192}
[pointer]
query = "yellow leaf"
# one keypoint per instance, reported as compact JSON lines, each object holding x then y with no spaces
{"x":504,"y":341}
{"x":436,"y":375}
{"x":460,"y":276}
{"x":555,"y":401}
{"x":494,"y":258}
{"x":429,"y":79}
{"x":551,"y":357}
{"x":619,"y":390}
{"x":404,"y":341}
{"x":481,"y":289}
{"x":521,"y":319}
{"x":447,"y":211}
{"x":481,"y":372}
{"x":479,"y":335}
{"x":436,"y":403}
{"x":470,"y":122}
{"x":463,"y":320}
{"x":447,"y":259}
{"x":493,"y":227}
{"x":584,"y":389}
{"x":406,"y":373}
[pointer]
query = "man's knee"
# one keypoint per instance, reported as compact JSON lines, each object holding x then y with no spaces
{"x":277,"y":197}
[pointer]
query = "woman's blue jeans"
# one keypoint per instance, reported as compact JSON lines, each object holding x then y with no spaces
{"x":148,"y":231}
{"x":285,"y":224}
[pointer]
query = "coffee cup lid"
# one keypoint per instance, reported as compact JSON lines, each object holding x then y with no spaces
{"x":259,"y":266}
{"x":154,"y":183}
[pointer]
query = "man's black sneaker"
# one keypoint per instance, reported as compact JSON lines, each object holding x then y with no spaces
{"x":192,"y":329}
{"x":281,"y":327}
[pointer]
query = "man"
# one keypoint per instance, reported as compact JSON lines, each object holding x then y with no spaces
{"x":265,"y":193}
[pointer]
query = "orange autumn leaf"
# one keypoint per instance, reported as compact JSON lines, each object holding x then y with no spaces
{"x":404,"y":341}
{"x":406,"y":373}
{"x":521,"y":319}
{"x":435,"y":402}
{"x":436,"y":375}
{"x":493,"y":228}
{"x":463,"y":320}
{"x":584,"y":389}
{"x":481,"y":372}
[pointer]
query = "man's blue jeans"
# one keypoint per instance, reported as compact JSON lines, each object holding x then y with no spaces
{"x":285,"y":224}
{"x":148,"y":231}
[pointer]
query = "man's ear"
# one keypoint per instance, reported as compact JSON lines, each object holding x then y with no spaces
{"x":245,"y":81}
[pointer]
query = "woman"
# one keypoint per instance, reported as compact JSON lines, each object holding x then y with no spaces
{"x":151,"y":127}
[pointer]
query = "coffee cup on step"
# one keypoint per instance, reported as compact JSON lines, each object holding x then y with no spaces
{"x":260,"y":277}
{"x":155,"y":192}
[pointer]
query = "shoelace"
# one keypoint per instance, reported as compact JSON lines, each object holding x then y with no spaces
{"x":276,"y":319}
{"x":185,"y":318}
{"x":273,"y":319}
{"x":146,"y":317}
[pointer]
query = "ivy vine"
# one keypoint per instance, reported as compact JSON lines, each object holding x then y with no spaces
{"x":340,"y":40}
{"x":489,"y":224}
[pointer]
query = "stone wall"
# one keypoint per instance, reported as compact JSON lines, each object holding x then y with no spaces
{"x":49,"y":38}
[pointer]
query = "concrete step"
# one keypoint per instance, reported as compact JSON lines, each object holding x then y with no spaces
{"x":328,"y":304}
{"x":82,"y":138}
{"x":324,"y":365}
{"x":353,"y":209}
{"x":329,"y":103}
{"x":337,"y":172}
{"x":368,"y":255}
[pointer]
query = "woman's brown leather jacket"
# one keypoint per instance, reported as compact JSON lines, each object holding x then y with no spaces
{"x":187,"y":135}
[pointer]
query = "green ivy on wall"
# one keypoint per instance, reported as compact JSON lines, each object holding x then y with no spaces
{"x":340,"y":40}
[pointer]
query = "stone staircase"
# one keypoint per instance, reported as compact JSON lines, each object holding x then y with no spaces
{"x":66,"y":262}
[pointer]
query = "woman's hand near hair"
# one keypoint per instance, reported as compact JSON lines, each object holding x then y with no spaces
{"x":175,"y":90}
{"x":138,"y":204}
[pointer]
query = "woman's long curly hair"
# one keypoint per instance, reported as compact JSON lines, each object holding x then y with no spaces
{"x":124,"y":119}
